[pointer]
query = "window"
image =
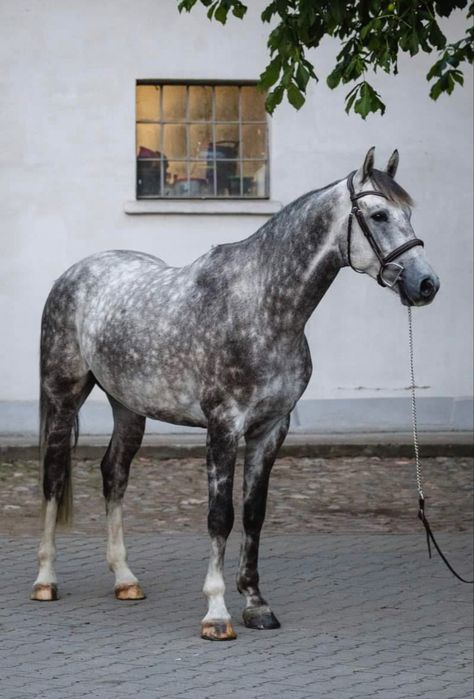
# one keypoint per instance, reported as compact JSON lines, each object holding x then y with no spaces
{"x":201,"y":141}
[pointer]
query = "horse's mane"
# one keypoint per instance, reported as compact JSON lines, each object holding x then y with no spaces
{"x":386,"y":184}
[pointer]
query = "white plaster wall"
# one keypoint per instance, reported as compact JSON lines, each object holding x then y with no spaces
{"x":67,"y":77}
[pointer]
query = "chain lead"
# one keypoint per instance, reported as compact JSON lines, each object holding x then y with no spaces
{"x":419,"y":481}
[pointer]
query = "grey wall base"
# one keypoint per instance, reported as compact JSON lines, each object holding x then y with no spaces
{"x":310,"y":416}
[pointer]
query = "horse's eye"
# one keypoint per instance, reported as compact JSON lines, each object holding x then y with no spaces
{"x":380,"y":216}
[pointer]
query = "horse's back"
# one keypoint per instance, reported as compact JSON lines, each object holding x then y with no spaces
{"x":101,"y":267}
{"x":96,"y":276}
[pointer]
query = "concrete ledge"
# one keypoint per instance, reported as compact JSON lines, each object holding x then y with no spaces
{"x":204,"y":207}
{"x":185,"y":446}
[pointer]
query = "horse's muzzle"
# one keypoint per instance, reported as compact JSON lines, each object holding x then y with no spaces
{"x":418,"y":294}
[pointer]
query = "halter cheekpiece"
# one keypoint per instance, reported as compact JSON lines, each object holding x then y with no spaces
{"x":386,"y":261}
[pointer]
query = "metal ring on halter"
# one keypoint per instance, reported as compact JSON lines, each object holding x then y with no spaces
{"x":386,"y":261}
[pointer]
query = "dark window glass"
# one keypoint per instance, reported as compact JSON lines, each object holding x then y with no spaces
{"x":201,"y":141}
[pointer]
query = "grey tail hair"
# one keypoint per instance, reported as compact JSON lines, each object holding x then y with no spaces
{"x":65,"y":504}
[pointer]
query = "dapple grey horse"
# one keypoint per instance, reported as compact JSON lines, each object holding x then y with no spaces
{"x":218,"y":344}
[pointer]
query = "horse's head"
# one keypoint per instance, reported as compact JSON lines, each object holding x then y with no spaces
{"x":381,"y":241}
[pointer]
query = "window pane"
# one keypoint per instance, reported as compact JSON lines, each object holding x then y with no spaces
{"x":176,"y":178}
{"x":201,"y":179}
{"x":227,"y":140}
{"x":200,"y":103}
{"x":254,"y":142}
{"x":149,"y":178}
{"x":174,"y":141}
{"x":252,"y":104}
{"x":254,"y":178}
{"x":227,"y":103}
{"x":200,"y":140}
{"x":226,"y":173}
{"x":174,"y":102}
{"x":148,"y":138}
{"x":148,"y":102}
{"x":234,"y":182}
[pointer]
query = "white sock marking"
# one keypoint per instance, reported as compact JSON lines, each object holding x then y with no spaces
{"x":214,"y":587}
{"x":116,"y":551}
{"x":47,"y":547}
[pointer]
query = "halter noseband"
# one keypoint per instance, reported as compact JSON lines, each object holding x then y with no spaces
{"x":383,"y":259}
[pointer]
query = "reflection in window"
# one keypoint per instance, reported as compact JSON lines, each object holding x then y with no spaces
{"x":201,"y":141}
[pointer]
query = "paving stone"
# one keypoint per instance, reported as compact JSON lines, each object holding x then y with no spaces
{"x":364,"y":616}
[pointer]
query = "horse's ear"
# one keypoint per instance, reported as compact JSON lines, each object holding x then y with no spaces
{"x":364,"y":173}
{"x":392,"y":164}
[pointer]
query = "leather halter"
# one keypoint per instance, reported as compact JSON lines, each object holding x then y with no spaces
{"x":357,"y":212}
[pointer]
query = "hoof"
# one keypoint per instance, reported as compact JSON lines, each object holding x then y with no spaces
{"x":260,"y":618}
{"x":45,"y":592}
{"x":218,"y":631}
{"x":133,"y":591}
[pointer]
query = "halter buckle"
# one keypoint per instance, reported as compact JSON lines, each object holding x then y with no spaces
{"x":393,"y":276}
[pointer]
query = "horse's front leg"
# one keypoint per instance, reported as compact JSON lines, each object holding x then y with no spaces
{"x":222,"y":444}
{"x":260,"y":454}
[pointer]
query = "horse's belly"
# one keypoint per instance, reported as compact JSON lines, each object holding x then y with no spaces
{"x":177,"y":413}
{"x":154,"y":394}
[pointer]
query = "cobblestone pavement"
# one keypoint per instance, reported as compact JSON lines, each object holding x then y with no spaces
{"x":359,"y":494}
{"x":365,"y":614}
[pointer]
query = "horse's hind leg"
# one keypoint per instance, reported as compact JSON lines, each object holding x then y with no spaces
{"x":126,"y":439}
{"x":260,"y":454}
{"x":61,"y":398}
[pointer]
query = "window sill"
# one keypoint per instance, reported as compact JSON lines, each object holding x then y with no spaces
{"x":204,"y":207}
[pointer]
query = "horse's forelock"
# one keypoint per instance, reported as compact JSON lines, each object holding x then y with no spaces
{"x":392,"y":190}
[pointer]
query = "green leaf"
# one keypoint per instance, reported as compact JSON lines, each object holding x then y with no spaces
{"x":367,"y":28}
{"x":446,"y":83}
{"x":302,"y":77}
{"x":436,"y":89}
{"x":334,"y":78}
{"x":295,"y":96}
{"x":268,"y":12}
{"x":367,"y":101}
{"x":413,"y":43}
{"x":273,"y":99}
{"x":221,"y":14}
{"x":436,"y":36}
{"x":239,"y":10}
{"x":271,"y":73}
{"x":186,"y":5}
{"x":436,"y":69}
{"x":350,"y":101}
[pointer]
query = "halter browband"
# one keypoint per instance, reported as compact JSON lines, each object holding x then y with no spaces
{"x":356,"y":211}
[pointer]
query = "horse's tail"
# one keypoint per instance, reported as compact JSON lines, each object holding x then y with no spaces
{"x":65,"y":502}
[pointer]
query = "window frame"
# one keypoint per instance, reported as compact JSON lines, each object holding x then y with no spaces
{"x":213,"y":122}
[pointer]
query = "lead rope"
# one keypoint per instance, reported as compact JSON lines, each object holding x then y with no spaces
{"x":419,"y":478}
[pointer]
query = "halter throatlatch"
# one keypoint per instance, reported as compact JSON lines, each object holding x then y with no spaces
{"x":386,"y":260}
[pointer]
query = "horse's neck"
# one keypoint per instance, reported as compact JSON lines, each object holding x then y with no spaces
{"x":301,"y":250}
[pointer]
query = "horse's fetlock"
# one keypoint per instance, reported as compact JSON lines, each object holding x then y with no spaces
{"x":46,"y":554}
{"x":214,"y":588}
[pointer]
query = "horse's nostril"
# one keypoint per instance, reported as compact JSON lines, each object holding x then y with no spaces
{"x":427,"y":288}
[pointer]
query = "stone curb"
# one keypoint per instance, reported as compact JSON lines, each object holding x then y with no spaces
{"x":186,"y":446}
